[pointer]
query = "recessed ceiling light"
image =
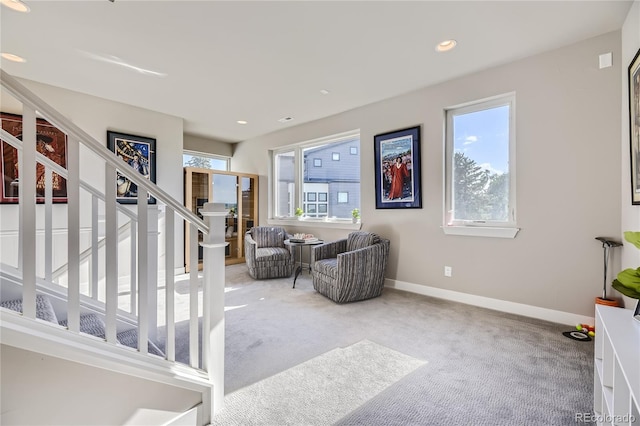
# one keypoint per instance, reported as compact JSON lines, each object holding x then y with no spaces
{"x":241,"y":122}
{"x":13,"y":58}
{"x":16,"y":5}
{"x":285,"y":119}
{"x":324,"y":91}
{"x":446,"y":45}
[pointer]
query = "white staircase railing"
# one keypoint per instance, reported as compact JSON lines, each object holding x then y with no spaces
{"x":152,"y":228}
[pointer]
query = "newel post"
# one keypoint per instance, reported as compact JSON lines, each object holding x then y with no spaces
{"x":213,"y":300}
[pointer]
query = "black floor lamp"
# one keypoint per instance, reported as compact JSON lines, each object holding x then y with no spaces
{"x":607,"y":244}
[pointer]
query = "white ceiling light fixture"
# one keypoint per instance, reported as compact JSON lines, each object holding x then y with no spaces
{"x":324,"y":91}
{"x":285,"y":119}
{"x":13,"y":58}
{"x":446,"y":45}
{"x":16,"y":5}
{"x":242,"y":122}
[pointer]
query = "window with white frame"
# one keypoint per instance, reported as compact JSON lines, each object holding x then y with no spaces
{"x":284,"y":183}
{"x":480,"y":164}
{"x":205,"y":161}
{"x":301,"y":179}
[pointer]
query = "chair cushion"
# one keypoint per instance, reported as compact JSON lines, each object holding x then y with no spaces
{"x":268,"y":254}
{"x":359,"y":240}
{"x":44,"y":309}
{"x":328,"y":267}
{"x":265,"y":236}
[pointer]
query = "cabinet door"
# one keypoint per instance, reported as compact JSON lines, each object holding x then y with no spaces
{"x":249,"y":206}
{"x":197,"y":193}
{"x":225,"y":191}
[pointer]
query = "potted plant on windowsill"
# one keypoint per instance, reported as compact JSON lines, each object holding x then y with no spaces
{"x":355,"y":215}
{"x":628,"y":281}
{"x":299,"y":212}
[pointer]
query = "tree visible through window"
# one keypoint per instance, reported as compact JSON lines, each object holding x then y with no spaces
{"x":204,"y":161}
{"x":480,"y":194}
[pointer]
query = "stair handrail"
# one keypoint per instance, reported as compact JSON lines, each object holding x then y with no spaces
{"x":61,"y":122}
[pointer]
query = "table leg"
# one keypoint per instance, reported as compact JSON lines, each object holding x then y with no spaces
{"x":298,"y":269}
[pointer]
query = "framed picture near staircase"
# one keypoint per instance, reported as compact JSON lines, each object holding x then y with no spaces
{"x":139,"y":153}
{"x":51,"y":142}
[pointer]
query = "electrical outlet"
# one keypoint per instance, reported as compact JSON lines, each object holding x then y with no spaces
{"x":448,"y":271}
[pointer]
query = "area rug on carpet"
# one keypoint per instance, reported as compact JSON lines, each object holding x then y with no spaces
{"x":319,"y":391}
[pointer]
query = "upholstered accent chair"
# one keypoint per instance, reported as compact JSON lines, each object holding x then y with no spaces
{"x":266,"y":254}
{"x":350,"y":269}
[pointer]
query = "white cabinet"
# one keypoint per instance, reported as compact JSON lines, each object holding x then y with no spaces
{"x":617,"y":367}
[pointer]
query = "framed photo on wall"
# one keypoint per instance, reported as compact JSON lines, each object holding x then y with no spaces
{"x":137,"y":152}
{"x":634,"y":126}
{"x":397,"y":169}
{"x":50,"y":142}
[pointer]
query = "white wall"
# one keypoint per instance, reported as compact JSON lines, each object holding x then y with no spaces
{"x":38,"y":389}
{"x":630,"y":213}
{"x":210,"y":146}
{"x":568,"y":128}
{"x":96,"y":116}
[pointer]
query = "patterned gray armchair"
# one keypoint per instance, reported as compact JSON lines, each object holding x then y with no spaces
{"x":350,"y":269}
{"x":265,"y":253}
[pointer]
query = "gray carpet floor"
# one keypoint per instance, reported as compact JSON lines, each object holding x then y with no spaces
{"x":482,"y":367}
{"x":319,"y":391}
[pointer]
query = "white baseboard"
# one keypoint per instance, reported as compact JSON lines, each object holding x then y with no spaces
{"x":495,"y":304}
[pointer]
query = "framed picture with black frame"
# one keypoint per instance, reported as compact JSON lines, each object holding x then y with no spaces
{"x":634,"y":127}
{"x":397,"y":169}
{"x":138,"y":152}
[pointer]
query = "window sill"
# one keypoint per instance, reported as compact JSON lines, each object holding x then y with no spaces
{"x":481,"y":231}
{"x":316,"y":223}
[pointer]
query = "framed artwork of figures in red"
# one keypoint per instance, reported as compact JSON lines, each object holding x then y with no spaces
{"x":397,"y":156}
{"x":50,"y":142}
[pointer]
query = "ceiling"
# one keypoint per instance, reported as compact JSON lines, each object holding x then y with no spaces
{"x":214,"y":63}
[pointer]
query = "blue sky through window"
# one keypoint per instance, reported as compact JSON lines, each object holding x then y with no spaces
{"x":483,"y":136}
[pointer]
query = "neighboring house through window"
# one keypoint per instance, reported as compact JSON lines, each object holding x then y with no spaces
{"x":318,"y":185}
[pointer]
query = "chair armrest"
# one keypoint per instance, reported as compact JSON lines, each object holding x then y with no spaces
{"x":328,"y":250}
{"x":250,"y":247}
{"x":367,"y":264}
